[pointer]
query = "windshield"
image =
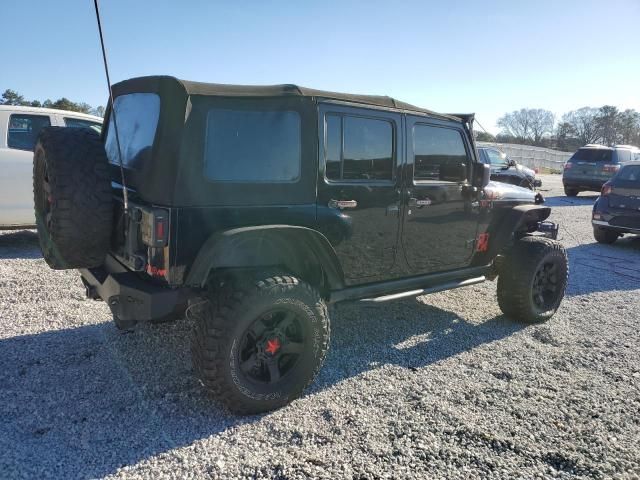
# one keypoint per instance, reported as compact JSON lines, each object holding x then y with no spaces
{"x":592,"y":155}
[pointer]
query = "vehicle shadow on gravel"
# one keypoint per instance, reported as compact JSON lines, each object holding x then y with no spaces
{"x":404,"y":333}
{"x":603,"y":268}
{"x":85,"y":402}
{"x":19,"y":244}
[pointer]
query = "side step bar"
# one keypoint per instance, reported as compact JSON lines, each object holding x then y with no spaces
{"x":423,"y":291}
{"x":404,"y":287}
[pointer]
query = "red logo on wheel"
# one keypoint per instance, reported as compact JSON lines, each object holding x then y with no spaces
{"x":273,"y":346}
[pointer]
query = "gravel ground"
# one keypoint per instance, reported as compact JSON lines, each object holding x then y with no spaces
{"x":442,"y":386}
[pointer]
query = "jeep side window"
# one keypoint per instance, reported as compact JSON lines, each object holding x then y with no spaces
{"x":24,"y":130}
{"x":255,"y":146}
{"x":439,"y":154}
{"x":358,"y":148}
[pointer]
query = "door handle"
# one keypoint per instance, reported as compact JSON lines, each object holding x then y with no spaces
{"x":420,"y":202}
{"x":342,"y":204}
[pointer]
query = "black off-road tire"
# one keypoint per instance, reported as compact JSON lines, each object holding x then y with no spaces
{"x":571,"y":192}
{"x":530,"y":258}
{"x":604,"y":235}
{"x":223,"y":316}
{"x":74,"y":217}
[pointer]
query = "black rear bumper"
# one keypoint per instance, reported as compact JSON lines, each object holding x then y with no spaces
{"x":583,"y":184}
{"x":129,"y":296}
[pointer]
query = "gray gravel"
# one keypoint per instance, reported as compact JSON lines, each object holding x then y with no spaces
{"x":436,"y":387}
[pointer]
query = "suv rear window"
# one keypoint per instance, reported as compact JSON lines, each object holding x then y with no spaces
{"x":591,"y":155}
{"x":629,"y":173}
{"x":253,"y":146}
{"x":137,"y":115}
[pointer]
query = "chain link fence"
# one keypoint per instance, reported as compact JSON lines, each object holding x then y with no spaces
{"x":532,"y":157}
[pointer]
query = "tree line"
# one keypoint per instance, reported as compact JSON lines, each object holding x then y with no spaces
{"x":11,"y":97}
{"x":535,"y":126}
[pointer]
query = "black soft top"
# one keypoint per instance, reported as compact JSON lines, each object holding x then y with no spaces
{"x":165,"y":83}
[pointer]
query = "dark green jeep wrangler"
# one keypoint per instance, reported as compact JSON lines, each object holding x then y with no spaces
{"x":250,"y":209}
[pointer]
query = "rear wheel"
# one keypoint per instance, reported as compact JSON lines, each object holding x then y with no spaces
{"x":72,"y":197}
{"x":604,"y":235}
{"x":571,"y":192}
{"x":257,"y":344}
{"x":532,"y":279}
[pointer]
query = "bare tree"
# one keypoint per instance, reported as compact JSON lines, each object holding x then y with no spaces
{"x":629,"y":126}
{"x":607,"y":120}
{"x":516,"y":124}
{"x":527,"y":124}
{"x":584,"y":123}
{"x":541,"y":122}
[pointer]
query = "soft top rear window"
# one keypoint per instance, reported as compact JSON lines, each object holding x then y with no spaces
{"x":137,"y":117}
{"x":592,"y":155}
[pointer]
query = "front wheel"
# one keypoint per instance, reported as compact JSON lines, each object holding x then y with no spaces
{"x":258,"y":343}
{"x":604,"y":235}
{"x":571,"y":192}
{"x":532,"y":279}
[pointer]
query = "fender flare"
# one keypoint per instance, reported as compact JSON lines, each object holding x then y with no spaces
{"x":518,"y":219}
{"x":263,"y":246}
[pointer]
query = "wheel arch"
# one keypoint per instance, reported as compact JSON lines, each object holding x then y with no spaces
{"x":516,"y":221}
{"x":302,"y":251}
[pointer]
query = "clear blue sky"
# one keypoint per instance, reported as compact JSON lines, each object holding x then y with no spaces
{"x":489,"y":57}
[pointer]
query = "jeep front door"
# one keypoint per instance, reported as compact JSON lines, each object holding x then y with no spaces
{"x":359,"y":188}
{"x":439,"y":219}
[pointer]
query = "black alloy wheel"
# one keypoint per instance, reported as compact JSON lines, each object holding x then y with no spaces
{"x":271,"y":347}
{"x":258,"y":340}
{"x":545,"y":289}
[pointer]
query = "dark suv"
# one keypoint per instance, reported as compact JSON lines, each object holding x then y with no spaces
{"x":592,"y":165}
{"x":254,"y":208}
{"x":617,"y":209}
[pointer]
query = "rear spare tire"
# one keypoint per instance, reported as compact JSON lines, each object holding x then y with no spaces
{"x":72,"y":197}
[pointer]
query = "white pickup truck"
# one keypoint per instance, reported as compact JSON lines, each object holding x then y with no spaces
{"x":19,"y":129}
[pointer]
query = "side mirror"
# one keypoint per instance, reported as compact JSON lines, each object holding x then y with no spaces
{"x":456,"y":172}
{"x":481,"y":175}
{"x":511,"y":163}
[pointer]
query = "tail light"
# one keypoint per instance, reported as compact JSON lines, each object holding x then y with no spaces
{"x":568,"y":165}
{"x":611,"y":168}
{"x":155,"y":227}
{"x":606,"y":189}
{"x":536,"y":171}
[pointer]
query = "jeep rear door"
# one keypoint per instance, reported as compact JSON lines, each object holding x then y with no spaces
{"x":440,"y":224}
{"x":359,"y":187}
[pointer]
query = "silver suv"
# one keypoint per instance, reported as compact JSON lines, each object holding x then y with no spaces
{"x":592,"y":165}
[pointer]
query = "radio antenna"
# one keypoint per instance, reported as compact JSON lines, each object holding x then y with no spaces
{"x":113,"y":110}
